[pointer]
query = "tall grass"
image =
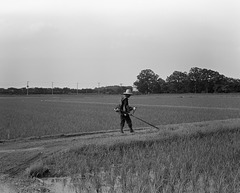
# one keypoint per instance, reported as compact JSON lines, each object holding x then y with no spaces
{"x":206,"y":162}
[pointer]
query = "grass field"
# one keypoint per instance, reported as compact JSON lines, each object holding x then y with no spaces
{"x":193,"y":157}
{"x":26,"y":116}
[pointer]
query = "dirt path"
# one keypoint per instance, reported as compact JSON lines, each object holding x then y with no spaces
{"x":16,"y":156}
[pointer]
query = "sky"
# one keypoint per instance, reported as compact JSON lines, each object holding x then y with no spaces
{"x":91,"y":43}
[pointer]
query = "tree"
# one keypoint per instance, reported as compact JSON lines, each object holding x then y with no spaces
{"x":210,"y":79}
{"x":194,"y":77}
{"x":162,"y":86}
{"x":147,"y":82}
{"x":231,"y":85}
{"x":177,"y":82}
{"x":204,"y":80}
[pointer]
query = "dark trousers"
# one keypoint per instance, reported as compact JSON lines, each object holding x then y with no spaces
{"x":125,"y":118}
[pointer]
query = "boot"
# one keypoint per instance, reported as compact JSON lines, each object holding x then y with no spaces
{"x":121,"y":130}
{"x":131,"y":130}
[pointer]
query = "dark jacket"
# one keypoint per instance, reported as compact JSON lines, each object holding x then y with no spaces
{"x":124,"y":106}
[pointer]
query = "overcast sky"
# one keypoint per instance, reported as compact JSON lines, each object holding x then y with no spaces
{"x":111,"y":41}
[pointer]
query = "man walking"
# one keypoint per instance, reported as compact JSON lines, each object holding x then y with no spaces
{"x":125,"y":109}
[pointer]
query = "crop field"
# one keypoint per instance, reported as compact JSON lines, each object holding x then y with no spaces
{"x":184,"y":164}
{"x":27,"y":116}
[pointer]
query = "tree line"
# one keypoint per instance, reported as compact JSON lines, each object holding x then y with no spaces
{"x":36,"y":90}
{"x":197,"y":80}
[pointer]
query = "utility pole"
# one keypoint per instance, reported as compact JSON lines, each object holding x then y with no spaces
{"x":52,"y":88}
{"x":77,"y":88}
{"x":27,"y":87}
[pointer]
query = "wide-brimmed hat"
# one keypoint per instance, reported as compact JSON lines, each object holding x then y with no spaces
{"x":128,"y":91}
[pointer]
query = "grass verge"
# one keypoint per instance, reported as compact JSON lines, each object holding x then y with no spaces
{"x":202,"y":161}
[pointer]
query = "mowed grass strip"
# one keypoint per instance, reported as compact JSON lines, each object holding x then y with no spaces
{"x":22,"y":117}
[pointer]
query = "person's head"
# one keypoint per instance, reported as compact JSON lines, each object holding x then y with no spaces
{"x":128,"y":93}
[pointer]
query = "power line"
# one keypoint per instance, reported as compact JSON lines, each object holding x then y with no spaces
{"x":48,"y":84}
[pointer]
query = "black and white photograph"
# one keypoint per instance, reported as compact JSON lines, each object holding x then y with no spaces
{"x":119,"y":96}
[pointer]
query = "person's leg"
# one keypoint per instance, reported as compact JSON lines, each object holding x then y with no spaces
{"x":122,"y":122}
{"x":129,"y":122}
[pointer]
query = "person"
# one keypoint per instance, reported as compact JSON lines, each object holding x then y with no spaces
{"x":124,"y":110}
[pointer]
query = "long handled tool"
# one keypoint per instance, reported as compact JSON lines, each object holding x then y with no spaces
{"x":144,"y":121}
{"x":117,"y":109}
